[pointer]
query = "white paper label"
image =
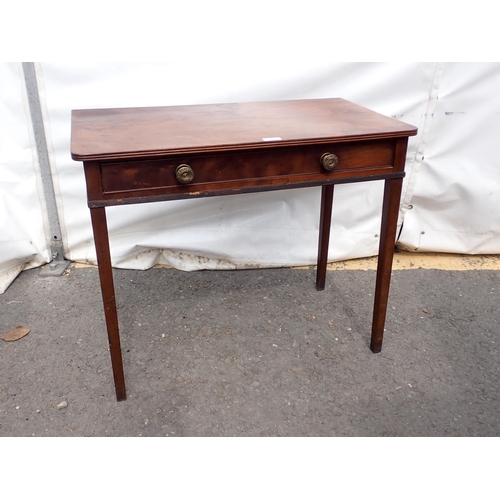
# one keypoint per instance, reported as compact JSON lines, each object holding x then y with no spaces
{"x":267,"y":139}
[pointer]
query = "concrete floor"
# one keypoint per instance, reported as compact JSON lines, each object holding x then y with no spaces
{"x":254,"y":353}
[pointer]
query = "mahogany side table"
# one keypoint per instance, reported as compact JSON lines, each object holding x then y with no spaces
{"x":138,"y":155}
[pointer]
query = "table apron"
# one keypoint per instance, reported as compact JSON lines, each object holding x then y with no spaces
{"x":128,"y":181}
{"x":133,"y":197}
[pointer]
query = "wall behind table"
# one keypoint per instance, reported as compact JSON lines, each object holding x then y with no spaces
{"x":23,"y":241}
{"x":456,"y":196}
{"x":455,"y":106}
{"x":258,"y":229}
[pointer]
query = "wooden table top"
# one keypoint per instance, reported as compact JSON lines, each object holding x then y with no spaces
{"x":103,"y":134}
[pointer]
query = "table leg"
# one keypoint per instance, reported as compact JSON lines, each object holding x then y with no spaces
{"x":390,"y":211}
{"x":101,"y":240}
{"x":325,"y":222}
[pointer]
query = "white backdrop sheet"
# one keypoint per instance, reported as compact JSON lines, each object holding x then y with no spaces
{"x":450,"y":197}
{"x":456,"y":195}
{"x":22,"y":224}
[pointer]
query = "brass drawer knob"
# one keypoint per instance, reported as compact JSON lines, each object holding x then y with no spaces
{"x":329,"y":161}
{"x":184,"y":174}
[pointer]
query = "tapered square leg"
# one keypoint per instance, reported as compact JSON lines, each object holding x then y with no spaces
{"x":100,"y":227}
{"x":325,"y":221}
{"x":390,"y":211}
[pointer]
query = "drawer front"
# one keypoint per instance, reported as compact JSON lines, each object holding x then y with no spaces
{"x":240,"y":170}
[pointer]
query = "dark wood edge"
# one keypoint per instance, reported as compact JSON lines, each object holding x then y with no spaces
{"x":228,"y":148}
{"x":224,"y":192}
